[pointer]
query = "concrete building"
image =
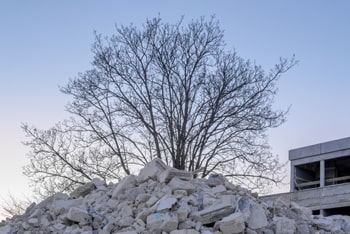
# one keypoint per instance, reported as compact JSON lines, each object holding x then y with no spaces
{"x":320,"y":177}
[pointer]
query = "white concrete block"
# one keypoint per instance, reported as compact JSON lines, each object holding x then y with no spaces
{"x":284,"y":225}
{"x":182,"y":212}
{"x":166,"y":222}
{"x":142,"y":198}
{"x":218,"y":189}
{"x":99,"y":183}
{"x":34,"y":221}
{"x":152,"y":201}
{"x":62,"y":206}
{"x":180,"y":193}
{"x":125,"y":222}
{"x":187,"y":224}
{"x":151,"y":170}
{"x":59,"y":226}
{"x":212,"y":213}
{"x":6,"y":229}
{"x":78,"y":215}
{"x":25,"y":225}
{"x":154,"y":220}
{"x":126,"y":182}
{"x":257,"y":218}
{"x":177,"y":184}
{"x":170,"y":173}
{"x":166,"y":203}
{"x":215,"y":180}
{"x":232,"y":224}
{"x":83,"y":190}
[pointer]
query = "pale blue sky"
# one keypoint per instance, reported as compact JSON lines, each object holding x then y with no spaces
{"x":44,"y":43}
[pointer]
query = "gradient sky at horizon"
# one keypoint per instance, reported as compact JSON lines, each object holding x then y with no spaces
{"x":44,"y":43}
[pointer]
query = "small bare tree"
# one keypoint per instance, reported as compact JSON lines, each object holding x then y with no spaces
{"x":167,"y":91}
{"x":12,"y":205}
{"x":62,"y":158}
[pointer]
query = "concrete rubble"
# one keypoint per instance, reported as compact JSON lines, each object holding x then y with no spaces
{"x":163,"y":200}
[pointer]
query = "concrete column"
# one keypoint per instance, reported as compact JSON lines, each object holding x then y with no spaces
{"x":322,"y":213}
{"x":292,"y":178}
{"x":322,"y":174}
{"x":322,"y":180}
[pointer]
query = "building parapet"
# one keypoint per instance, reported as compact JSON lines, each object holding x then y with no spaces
{"x":316,"y":199}
{"x":318,"y":149}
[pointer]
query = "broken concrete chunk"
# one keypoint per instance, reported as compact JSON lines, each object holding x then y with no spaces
{"x":208,"y":200}
{"x":47,"y":202}
{"x":284,"y":225}
{"x":188,"y":224}
{"x":83,"y":190}
{"x":44,"y":221}
{"x":280,"y":206}
{"x":165,"y":222}
{"x":301,"y":212}
{"x":244,"y":205}
{"x":126,"y":209}
{"x":152,"y":170}
{"x":99,"y":184}
{"x":215,"y":180}
{"x":78,"y":215}
{"x":229,"y":199}
{"x":126,"y":182}
{"x":125,"y":222}
{"x":170,"y":173}
{"x":180,"y":193}
{"x":132,"y":193}
{"x":25,"y":225}
{"x":166,"y":203}
{"x":139,"y":226}
{"x":34,"y":221}
{"x":166,"y":190}
{"x":6,"y":229}
{"x":152,"y":201}
{"x":209,"y":232}
{"x":180,"y":205}
{"x":62,"y":206}
{"x":232,"y":224}
{"x":35,"y":214}
{"x":154,"y":220}
{"x":59,"y":226}
{"x":218,"y":189}
{"x":212,"y":213}
{"x":127,"y":232}
{"x":140,"y":222}
{"x":257,"y":218}
{"x":185,"y":231}
{"x":142,"y":215}
{"x":182,"y":212}
{"x":303,"y":227}
{"x":177,"y":184}
{"x":142,"y":198}
{"x":108,"y":225}
{"x":170,"y":222}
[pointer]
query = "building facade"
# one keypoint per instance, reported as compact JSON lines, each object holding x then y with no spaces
{"x":320,"y":177}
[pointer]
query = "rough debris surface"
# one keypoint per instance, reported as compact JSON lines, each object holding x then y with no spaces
{"x":163,"y":200}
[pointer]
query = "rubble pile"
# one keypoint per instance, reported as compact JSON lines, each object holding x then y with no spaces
{"x":168,"y":201}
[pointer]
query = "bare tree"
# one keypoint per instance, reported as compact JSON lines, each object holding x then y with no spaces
{"x":62,"y":159}
{"x":173,"y":92}
{"x":12,"y":205}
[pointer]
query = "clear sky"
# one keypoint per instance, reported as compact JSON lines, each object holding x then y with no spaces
{"x":44,"y":43}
